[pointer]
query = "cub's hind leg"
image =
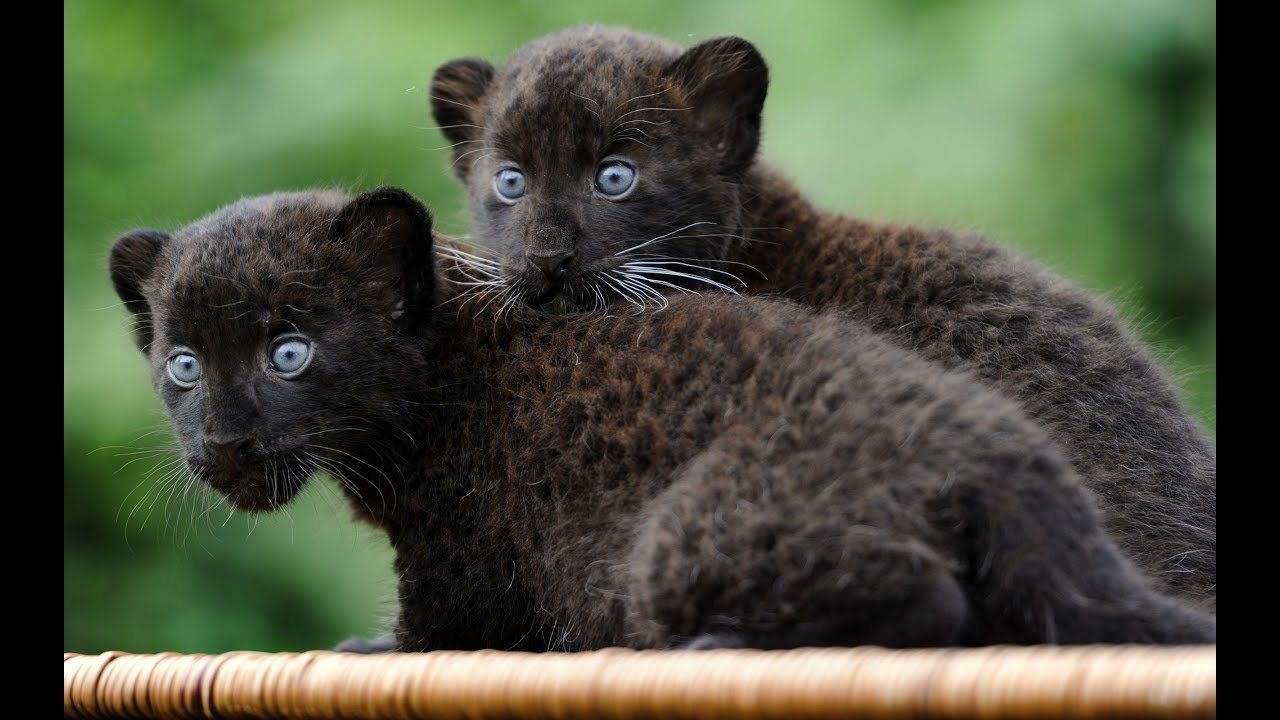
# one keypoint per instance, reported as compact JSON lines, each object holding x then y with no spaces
{"x":737,"y":553}
{"x":988,"y":538}
{"x":1043,"y":570}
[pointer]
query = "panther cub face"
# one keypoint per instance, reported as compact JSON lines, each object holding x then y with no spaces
{"x":602,"y":163}
{"x":278,"y":329}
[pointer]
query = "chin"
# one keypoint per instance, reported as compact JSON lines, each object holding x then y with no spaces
{"x":254,"y":490}
{"x":572,"y":298}
{"x":560,"y":303}
{"x":259,"y":499}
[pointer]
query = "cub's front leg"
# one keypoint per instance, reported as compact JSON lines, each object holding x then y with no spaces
{"x":457,"y":591}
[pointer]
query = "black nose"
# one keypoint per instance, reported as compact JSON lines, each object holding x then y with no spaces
{"x":231,"y":448}
{"x":555,"y":266}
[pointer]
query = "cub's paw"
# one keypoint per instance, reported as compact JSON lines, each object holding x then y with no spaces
{"x":363,"y":646}
{"x":713,"y":641}
{"x":930,"y":610}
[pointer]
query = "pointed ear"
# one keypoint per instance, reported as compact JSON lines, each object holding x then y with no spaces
{"x":724,"y":81}
{"x":131,"y":262}
{"x":390,"y":232}
{"x":457,"y":89}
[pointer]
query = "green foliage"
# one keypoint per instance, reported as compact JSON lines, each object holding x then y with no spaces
{"x":1083,"y":133}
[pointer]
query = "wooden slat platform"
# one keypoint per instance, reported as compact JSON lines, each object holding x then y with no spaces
{"x":996,"y":682}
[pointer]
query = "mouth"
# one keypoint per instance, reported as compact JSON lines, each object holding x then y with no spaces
{"x":586,"y":290}
{"x":255,"y":488}
{"x":557,"y":300}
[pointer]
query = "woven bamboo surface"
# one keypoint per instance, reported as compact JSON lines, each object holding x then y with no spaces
{"x":996,"y":682}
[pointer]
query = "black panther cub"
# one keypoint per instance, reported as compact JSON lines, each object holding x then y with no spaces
{"x":729,"y":472}
{"x":602,"y":163}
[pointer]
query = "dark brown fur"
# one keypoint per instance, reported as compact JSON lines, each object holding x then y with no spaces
{"x":689,"y":121}
{"x":731,"y":471}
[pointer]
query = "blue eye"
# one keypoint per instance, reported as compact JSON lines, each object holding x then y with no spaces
{"x":185,"y":370}
{"x":510,"y":184}
{"x":290,"y":356}
{"x":615,"y":179}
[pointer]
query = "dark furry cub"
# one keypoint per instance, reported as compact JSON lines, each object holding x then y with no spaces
{"x":730,"y":471}
{"x":604,"y":164}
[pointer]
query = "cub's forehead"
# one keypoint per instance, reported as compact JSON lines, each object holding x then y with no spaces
{"x":578,"y":72}
{"x":269,"y":219}
{"x":250,"y":249}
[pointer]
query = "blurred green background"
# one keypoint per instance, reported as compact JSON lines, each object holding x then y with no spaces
{"x":1083,"y":133}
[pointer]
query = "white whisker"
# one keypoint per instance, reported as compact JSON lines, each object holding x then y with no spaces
{"x":661,"y":271}
{"x":641,"y":287}
{"x":677,"y":288}
{"x":661,"y":237}
{"x":648,"y":263}
{"x":622,"y":293}
{"x":658,"y":109}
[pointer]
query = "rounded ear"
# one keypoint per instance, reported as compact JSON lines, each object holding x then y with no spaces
{"x":456,"y":91}
{"x":390,"y":232}
{"x":131,"y":262}
{"x":724,"y":81}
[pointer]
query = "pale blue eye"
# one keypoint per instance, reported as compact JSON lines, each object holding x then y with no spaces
{"x":510,"y":184}
{"x":290,"y":356}
{"x":615,"y":179}
{"x":184,"y":369}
